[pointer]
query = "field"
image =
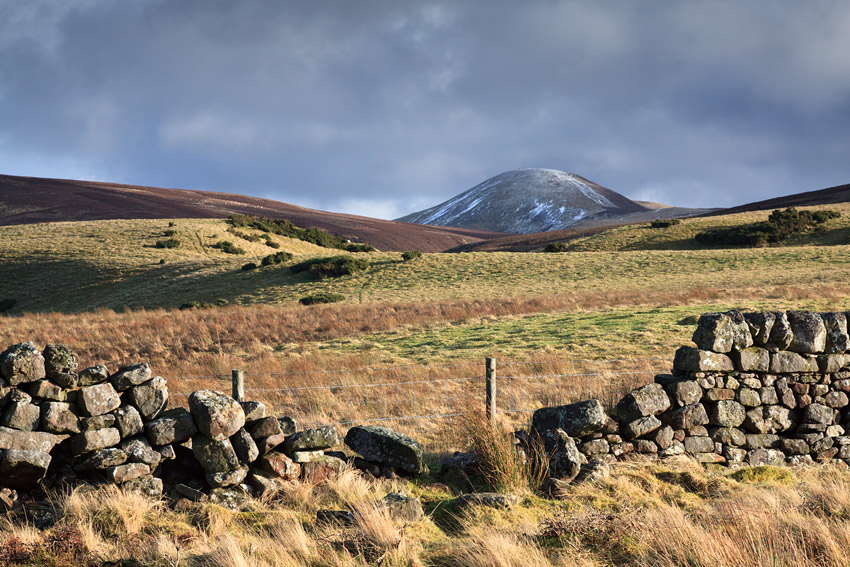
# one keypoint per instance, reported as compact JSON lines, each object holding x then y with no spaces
{"x":410,"y":341}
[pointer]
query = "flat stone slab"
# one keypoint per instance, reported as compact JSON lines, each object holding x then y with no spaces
{"x":578,"y":419}
{"x":29,"y":440}
{"x":387,"y":447}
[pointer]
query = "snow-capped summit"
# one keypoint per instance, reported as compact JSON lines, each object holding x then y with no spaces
{"x":525,"y":201}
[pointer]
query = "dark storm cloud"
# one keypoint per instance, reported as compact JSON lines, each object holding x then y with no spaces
{"x":385,"y":107}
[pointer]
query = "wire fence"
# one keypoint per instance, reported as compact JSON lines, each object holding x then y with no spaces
{"x":426,"y":401}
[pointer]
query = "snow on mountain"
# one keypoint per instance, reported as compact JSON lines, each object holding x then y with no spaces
{"x":525,"y":201}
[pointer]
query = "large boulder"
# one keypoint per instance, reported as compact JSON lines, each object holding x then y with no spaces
{"x":101,"y":459}
{"x":781,"y":334}
{"x":809,"y":332}
{"x":837,"y":339}
{"x":60,"y":365}
{"x":641,"y":402}
{"x":22,"y":363}
{"x":721,"y":332}
{"x":29,"y":440}
{"x":565,"y":459}
{"x":726,"y":413}
{"x":128,"y":421}
{"x":214,"y":455}
{"x":216,"y":416}
{"x":761,"y":324}
{"x":173,"y":426}
{"x":59,"y":417}
{"x":89,"y":441}
{"x":93,"y":375}
{"x":23,"y":468}
{"x":21,"y":413}
{"x":786,"y":362}
{"x":384,"y":446}
{"x":245,"y":446}
{"x":578,"y":419}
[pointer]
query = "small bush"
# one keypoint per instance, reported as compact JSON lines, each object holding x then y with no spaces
{"x":411,"y":255}
{"x":162,"y":260}
{"x":780,"y":226}
{"x":285,"y":228}
{"x":277,"y":258}
{"x":322,"y":297}
{"x":170,"y":223}
{"x":228,"y":247}
{"x":664,"y":223}
{"x":557,"y":247}
{"x":170,"y":243}
{"x":244,"y":235}
{"x":359,"y":247}
{"x":169,"y":232}
{"x":333,"y":267}
{"x":249,"y":266}
{"x":270,"y":243}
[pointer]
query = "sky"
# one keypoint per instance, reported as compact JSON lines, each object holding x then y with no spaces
{"x":383,"y":108}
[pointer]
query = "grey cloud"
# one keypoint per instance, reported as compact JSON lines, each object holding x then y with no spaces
{"x":386,"y":107}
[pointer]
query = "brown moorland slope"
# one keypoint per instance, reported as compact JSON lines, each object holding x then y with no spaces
{"x":27,"y":200}
{"x":828,"y":196}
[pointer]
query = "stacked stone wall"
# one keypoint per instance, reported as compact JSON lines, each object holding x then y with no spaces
{"x":757,"y":388}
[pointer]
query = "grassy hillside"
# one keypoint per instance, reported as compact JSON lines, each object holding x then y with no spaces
{"x":75,"y":267}
{"x":681,"y":236}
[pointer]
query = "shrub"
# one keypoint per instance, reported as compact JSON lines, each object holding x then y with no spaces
{"x":169,"y":232}
{"x":283,"y":227}
{"x":411,"y":255}
{"x":249,"y":266}
{"x":170,"y":243}
{"x":228,"y":247}
{"x":7,"y":304}
{"x":162,"y":260}
{"x":244,"y":235}
{"x":664,"y":223}
{"x":359,"y":247}
{"x":277,"y":258}
{"x":333,"y":267}
{"x":170,"y":223}
{"x":557,"y":247}
{"x":322,"y":297}
{"x":780,"y":225}
{"x":270,"y":243}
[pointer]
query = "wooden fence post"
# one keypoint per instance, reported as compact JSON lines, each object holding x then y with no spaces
{"x":490,"y":367}
{"x":238,"y":385}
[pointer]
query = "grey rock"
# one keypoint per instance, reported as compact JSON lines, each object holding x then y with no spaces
{"x":22,"y":363}
{"x":139,"y":450}
{"x":216,"y":416}
{"x":403,"y":508}
{"x":759,"y":457}
{"x":167,"y":452}
{"x":280,"y":465}
{"x":214,"y":456}
{"x":253,"y":411}
{"x":245,"y":447}
{"x":486,"y":499}
{"x":265,"y":484}
{"x":832,"y":363}
{"x":128,"y":421}
{"x":287,"y":425}
{"x":265,"y":427}
{"x":29,"y":440}
{"x":21,"y":415}
{"x":689,"y":359}
{"x":753,"y":359}
{"x":747,"y":397}
{"x":726,"y":413}
{"x":641,"y":402}
{"x":728,"y":436}
{"x":809,"y":332}
{"x":754,"y":421}
{"x":781,"y":334}
{"x":760,"y":325}
{"x":97,"y":422}
{"x":760,"y":440}
{"x":190,"y":493}
{"x":98,"y":399}
{"x":59,"y":417}
{"x":818,"y":413}
{"x":675,"y":448}
{"x":598,"y":447}
{"x":127,"y":472}
{"x":696,"y":445}
{"x":150,"y":397}
{"x":594,"y":471}
{"x":734,"y":455}
{"x":387,"y":447}
{"x":129,"y":376}
{"x":101,"y":459}
{"x":172,"y":426}
{"x":785,"y":362}
{"x":793,"y":446}
{"x":645,"y":446}
{"x":302,"y":457}
{"x":837,"y":339}
{"x":149,"y":486}
{"x":565,"y":459}
{"x":662,"y":437}
{"x":230,"y":498}
{"x":47,"y":390}
{"x":684,"y":392}
{"x":227,"y":478}
{"x":686,"y":417}
{"x":720,"y":332}
{"x":777,"y":419}
{"x":22,"y":468}
{"x":641,"y":427}
{"x":836,"y":400}
{"x":60,"y":365}
{"x":311,"y":439}
{"x":322,"y":467}
{"x":89,"y":441}
{"x":93,"y":375}
{"x":767,"y":395}
{"x":267,"y":444}
{"x":578,"y":419}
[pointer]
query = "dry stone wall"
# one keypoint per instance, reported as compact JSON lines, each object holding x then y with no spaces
{"x":62,"y":424}
{"x":757,"y":388}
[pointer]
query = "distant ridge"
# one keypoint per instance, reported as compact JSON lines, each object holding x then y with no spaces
{"x":837,"y":194}
{"x":26,"y":200}
{"x":527,"y":201}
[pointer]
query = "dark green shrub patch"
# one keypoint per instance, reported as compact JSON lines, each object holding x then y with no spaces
{"x":170,"y":243}
{"x":780,"y":225}
{"x":557,"y":247}
{"x":249,"y":266}
{"x":333,"y":267}
{"x":664,"y":223}
{"x":228,"y":247}
{"x":7,"y":304}
{"x":169,"y":232}
{"x":244,"y":235}
{"x":411,"y":255}
{"x":283,"y":227}
{"x":277,"y":258}
{"x":322,"y":297}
